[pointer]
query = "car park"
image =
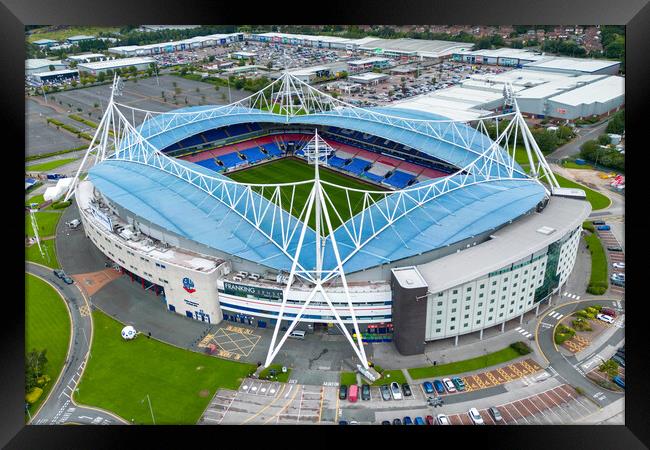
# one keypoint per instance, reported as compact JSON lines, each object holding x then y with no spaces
{"x":495,"y":413}
{"x":408,"y":421}
{"x":343,"y":392}
{"x":428,"y":387}
{"x":365,"y":392}
{"x":440,"y":388}
{"x":605,"y":318}
{"x":419,"y":421}
{"x":395,"y":391}
{"x":385,"y":392}
{"x":460,"y":385}
{"x":406,"y":389}
{"x":397,"y":421}
{"x":449,"y":385}
{"x":475,"y":417}
{"x":442,"y":419}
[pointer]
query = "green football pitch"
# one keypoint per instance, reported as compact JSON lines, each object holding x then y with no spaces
{"x":289,"y":170}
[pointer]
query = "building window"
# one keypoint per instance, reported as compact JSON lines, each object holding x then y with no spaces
{"x":453,"y":319}
{"x":480,"y":295}
{"x":439,"y":303}
{"x":438,"y":322}
{"x":455,"y":291}
{"x":491,"y":309}
{"x":466,"y":316}
{"x":454,"y":301}
{"x":482,"y":286}
{"x":437,"y":330}
{"x":468,"y":298}
{"x":452,"y":327}
{"x":439,"y":313}
{"x":439,"y":294}
{"x":467,"y":307}
{"x":469,"y":289}
{"x":453,"y":310}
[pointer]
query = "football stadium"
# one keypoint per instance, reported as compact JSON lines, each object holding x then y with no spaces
{"x":295,"y":211}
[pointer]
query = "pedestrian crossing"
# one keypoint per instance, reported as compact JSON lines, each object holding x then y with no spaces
{"x":523,"y":332}
{"x":556,"y":315}
{"x":570,"y":295}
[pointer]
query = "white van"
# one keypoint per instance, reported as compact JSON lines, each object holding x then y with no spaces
{"x":297,"y":334}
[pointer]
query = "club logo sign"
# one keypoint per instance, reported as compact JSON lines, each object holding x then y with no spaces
{"x":188,"y":285}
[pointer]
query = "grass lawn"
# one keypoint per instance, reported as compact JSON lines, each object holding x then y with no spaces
{"x":597,"y":200}
{"x":44,"y":167}
{"x":180,"y":383}
{"x":599,"y":276}
{"x":348,"y":378}
{"x":281,"y":377}
{"x":67,"y":32}
{"x":37,"y":199}
{"x":47,"y":326}
{"x":46,"y":221}
{"x":388,"y":376}
{"x":33,"y":254}
{"x":291,"y":170}
{"x":573,"y":165}
{"x":466,"y":365}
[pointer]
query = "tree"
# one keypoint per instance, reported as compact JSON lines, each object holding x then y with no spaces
{"x":101,"y":77}
{"x":616,"y":124}
{"x":609,"y":367}
{"x":604,"y":139}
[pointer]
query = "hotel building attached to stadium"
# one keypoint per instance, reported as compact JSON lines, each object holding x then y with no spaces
{"x":451,"y":235}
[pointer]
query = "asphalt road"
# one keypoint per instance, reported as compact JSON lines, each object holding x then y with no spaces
{"x":569,"y":368}
{"x":60,"y":408}
{"x":573,"y":147}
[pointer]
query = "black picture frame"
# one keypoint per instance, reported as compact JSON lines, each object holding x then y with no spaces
{"x":17,"y":13}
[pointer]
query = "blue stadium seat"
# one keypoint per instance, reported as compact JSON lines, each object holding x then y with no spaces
{"x":273,"y":149}
{"x":214,"y":135}
{"x":237,"y":129}
{"x":335,"y":161}
{"x":356,"y":166}
{"x":191,"y":141}
{"x":373,"y":177}
{"x":253,"y":155}
{"x":399,"y":179}
{"x":231,"y":160}
{"x":210,"y":164}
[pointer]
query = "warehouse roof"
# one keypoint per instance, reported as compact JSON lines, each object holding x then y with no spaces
{"x":31,"y":64}
{"x":505,"y":53}
{"x":601,"y":91}
{"x":558,"y":86}
{"x":577,"y":64}
{"x":512,"y":243}
{"x":117,"y":63}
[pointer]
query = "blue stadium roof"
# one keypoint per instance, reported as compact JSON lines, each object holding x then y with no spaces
{"x":168,"y":128}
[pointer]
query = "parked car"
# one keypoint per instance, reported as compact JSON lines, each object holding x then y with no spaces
{"x":443,"y":420}
{"x":619,"y":381}
{"x":343,"y":392}
{"x":343,"y":422}
{"x":603,"y":227}
{"x":395,"y":391}
{"x":397,"y":421}
{"x":68,"y":280}
{"x":460,"y":385}
{"x":408,"y":421}
{"x":419,"y":421}
{"x":428,"y":387}
{"x":385,"y":422}
{"x":598,"y":222}
{"x":619,"y":265}
{"x":449,"y":385}
{"x":618,"y":276}
{"x":353,"y":393}
{"x":605,"y":318}
{"x":440,"y":388}
{"x":615,"y":249}
{"x":618,"y":282}
{"x":365,"y":392}
{"x":475,"y":416}
{"x":430,"y":420}
{"x":608,"y":311}
{"x":59,"y":273}
{"x":385,"y":392}
{"x":495,"y":413}
{"x":406,"y":389}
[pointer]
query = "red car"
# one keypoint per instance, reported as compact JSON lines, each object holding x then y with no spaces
{"x":608,"y":312}
{"x":429,"y":420}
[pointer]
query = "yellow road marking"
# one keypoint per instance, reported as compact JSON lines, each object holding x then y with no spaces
{"x":285,"y":406}
{"x":322,"y":398}
{"x":267,"y":406}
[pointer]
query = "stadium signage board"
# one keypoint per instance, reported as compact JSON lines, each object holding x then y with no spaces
{"x":102,"y":218}
{"x":258,"y":292}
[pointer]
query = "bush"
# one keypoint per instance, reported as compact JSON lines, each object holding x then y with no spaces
{"x":521,"y":347}
{"x":32,"y":396}
{"x":43,"y":380}
{"x":563,"y":334}
{"x":581,"y":324}
{"x":591,"y":310}
{"x":597,"y":307}
{"x":588,"y":226}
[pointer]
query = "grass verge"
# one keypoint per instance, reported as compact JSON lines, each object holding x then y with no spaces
{"x":466,"y":365}
{"x":33,"y":254}
{"x":598,"y":281}
{"x":179,"y":383}
{"x":47,"y":326}
{"x":281,"y":377}
{"x":50,"y":165}
{"x":348,"y":378}
{"x":46,"y":221}
{"x":388,"y":376}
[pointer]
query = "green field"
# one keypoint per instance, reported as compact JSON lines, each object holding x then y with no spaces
{"x":47,"y":326}
{"x":466,"y":365}
{"x":573,"y":165}
{"x":46,"y":221}
{"x":180,"y":383}
{"x":292,"y":170}
{"x":34,"y":255}
{"x":597,"y":200}
{"x":388,"y":376}
{"x":66,"y":32}
{"x":44,"y":167}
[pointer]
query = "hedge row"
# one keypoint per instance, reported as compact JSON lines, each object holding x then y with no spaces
{"x":521,"y":347}
{"x":588,"y":226}
{"x":82,"y":120}
{"x":598,"y":282}
{"x":60,"y":152}
{"x":61,"y":204}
